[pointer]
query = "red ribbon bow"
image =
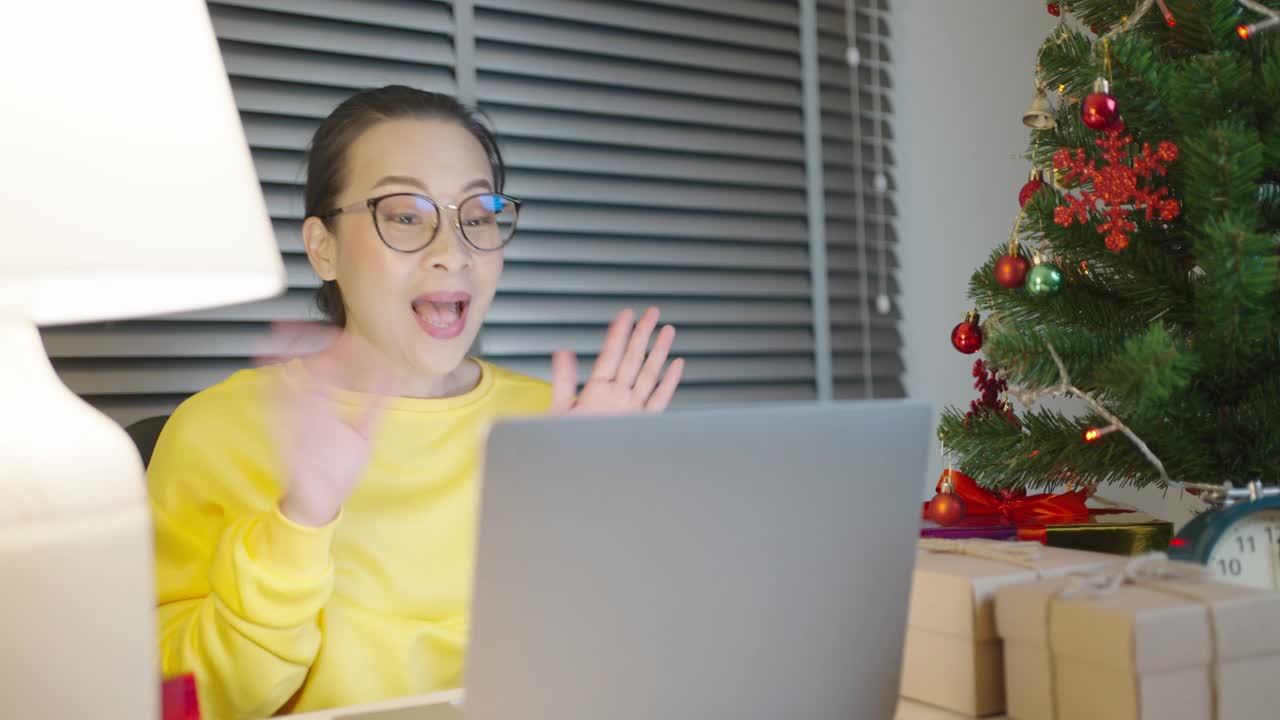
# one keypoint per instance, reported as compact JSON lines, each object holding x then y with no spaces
{"x":1014,"y":506}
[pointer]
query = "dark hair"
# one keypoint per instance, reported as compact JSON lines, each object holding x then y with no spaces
{"x":327,"y":156}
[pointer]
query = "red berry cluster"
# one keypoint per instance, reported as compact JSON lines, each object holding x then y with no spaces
{"x":992,"y":387}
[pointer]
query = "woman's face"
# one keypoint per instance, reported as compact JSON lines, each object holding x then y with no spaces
{"x":421,"y":310}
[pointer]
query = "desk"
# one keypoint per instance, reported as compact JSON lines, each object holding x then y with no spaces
{"x":443,"y":704}
{"x":445,"y":701}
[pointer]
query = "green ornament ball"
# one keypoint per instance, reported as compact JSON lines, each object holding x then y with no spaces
{"x":1044,"y":280}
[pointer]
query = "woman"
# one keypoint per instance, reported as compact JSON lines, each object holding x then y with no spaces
{"x":315,"y":518}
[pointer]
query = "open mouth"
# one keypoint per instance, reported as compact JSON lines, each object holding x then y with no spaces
{"x":442,"y":315}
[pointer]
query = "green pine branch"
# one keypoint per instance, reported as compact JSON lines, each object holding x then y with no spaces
{"x":1147,"y":371}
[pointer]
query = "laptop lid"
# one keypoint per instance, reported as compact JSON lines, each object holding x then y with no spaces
{"x":740,"y":563}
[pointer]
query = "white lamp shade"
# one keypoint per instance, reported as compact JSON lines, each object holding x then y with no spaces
{"x":126,"y":184}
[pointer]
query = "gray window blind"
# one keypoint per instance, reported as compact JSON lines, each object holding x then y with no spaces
{"x":658,"y":145}
{"x":290,"y":63}
{"x":857,"y":143}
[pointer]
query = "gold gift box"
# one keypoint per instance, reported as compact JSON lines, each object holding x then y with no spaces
{"x":1119,"y":533}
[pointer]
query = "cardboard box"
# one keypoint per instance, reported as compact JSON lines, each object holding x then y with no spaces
{"x":1173,"y":646}
{"x":912,"y":710}
{"x":952,"y":655}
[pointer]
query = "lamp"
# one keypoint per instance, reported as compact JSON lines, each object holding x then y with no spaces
{"x":127,"y":190}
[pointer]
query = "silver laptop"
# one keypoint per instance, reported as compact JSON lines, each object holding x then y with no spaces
{"x":744,"y":563}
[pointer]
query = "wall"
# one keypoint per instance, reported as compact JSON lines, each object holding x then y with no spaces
{"x":963,"y":75}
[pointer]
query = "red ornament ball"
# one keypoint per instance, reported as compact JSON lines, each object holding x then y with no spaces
{"x":1031,"y":188}
{"x":1054,"y":9}
{"x":1100,"y":111}
{"x":946,"y":508}
{"x":967,"y":336}
{"x":1011,"y":271}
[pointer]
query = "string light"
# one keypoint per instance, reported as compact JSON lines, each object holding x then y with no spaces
{"x":1094,"y":434}
{"x":1272,"y":19}
{"x":1168,"y":16}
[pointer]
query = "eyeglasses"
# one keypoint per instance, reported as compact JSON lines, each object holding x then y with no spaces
{"x":408,"y":222}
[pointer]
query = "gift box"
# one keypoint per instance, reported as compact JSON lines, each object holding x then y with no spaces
{"x":960,"y":531}
{"x":952,"y":656}
{"x":1138,"y":643}
{"x":912,"y":710}
{"x":1056,"y":519}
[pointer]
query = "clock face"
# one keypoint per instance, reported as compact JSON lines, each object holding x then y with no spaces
{"x":1248,"y":553}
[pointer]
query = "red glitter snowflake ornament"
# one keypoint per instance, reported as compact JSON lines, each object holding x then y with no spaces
{"x":1114,"y":191}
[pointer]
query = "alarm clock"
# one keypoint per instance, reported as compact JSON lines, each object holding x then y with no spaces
{"x":1238,"y":539}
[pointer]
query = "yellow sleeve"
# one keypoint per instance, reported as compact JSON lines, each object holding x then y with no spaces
{"x":240,"y":587}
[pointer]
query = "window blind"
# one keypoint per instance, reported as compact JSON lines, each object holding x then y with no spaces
{"x":290,"y":62}
{"x":658,"y":146}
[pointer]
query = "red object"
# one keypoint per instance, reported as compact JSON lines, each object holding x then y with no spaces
{"x":991,"y":386}
{"x":1178,"y":542}
{"x":1116,"y":184}
{"x":1100,"y":111}
{"x":1018,"y":508}
{"x":1243,"y":31}
{"x":1011,"y":271}
{"x":178,"y":699}
{"x":967,"y":336}
{"x":945,"y":509}
{"x":1031,"y":188}
{"x":1034,"y":533}
{"x":1092,"y":434}
{"x":1054,"y":9}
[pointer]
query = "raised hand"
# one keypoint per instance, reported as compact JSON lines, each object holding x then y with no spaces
{"x":324,"y":448}
{"x":625,"y":378}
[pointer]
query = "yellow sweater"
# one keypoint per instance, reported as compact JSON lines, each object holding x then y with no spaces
{"x":273,"y":616}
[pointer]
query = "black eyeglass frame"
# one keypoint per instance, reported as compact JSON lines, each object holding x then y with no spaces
{"x":372,"y":205}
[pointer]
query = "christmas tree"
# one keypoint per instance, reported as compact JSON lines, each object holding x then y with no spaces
{"x":1141,"y":275}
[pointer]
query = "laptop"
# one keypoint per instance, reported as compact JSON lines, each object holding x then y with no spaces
{"x":739,"y":563}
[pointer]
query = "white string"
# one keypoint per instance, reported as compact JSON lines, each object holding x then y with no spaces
{"x":1152,"y":567}
{"x":1022,"y":554}
{"x":860,"y":220}
{"x":881,"y":180}
{"x":1129,"y":22}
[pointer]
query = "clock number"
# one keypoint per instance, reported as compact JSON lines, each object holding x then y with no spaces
{"x":1252,"y":545}
{"x":1230,"y":567}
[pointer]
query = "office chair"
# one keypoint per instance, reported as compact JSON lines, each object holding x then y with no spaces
{"x":144,"y":434}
